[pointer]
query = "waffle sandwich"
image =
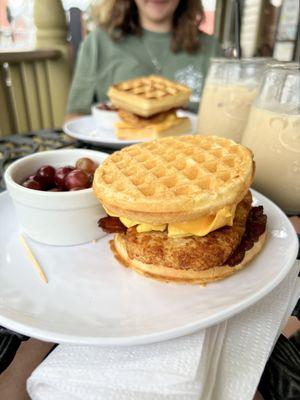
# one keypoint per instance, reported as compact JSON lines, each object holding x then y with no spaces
{"x":181,"y":208}
{"x":147,"y":107}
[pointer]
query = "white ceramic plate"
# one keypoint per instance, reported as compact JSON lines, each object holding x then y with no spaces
{"x":85,"y":129}
{"x":92,"y":299}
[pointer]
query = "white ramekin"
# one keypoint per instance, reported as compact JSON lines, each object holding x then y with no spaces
{"x":55,"y":218}
{"x":105,"y":119}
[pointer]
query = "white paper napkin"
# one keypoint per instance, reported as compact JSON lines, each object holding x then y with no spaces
{"x":220,"y":363}
{"x":251,"y":336}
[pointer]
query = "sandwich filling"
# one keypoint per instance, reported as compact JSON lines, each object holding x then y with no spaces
{"x":198,"y":227}
{"x":133,"y":126}
{"x":225,"y":245}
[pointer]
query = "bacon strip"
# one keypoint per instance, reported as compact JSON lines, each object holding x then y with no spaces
{"x":111,"y":225}
{"x":255,"y":227}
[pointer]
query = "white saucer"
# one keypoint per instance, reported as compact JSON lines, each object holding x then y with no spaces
{"x":92,"y":299}
{"x":85,"y":129}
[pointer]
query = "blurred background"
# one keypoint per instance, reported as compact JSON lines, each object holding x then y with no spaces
{"x":269,"y":27}
{"x":39,"y":42}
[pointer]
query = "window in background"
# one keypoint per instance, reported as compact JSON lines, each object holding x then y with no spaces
{"x":250,"y":26}
{"x":209,"y":23}
{"x":269,"y":28}
{"x":287,"y":30}
{"x":17,"y":30}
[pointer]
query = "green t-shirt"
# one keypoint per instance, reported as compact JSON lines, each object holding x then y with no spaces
{"x":102,"y":62}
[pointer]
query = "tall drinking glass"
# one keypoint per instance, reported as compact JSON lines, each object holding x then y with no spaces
{"x":229,"y":91}
{"x":273,"y":134}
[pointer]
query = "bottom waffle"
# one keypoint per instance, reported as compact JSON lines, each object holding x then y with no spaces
{"x":165,"y":274}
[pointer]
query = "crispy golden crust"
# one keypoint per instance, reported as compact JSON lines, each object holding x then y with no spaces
{"x":183,"y":276}
{"x":188,"y":253}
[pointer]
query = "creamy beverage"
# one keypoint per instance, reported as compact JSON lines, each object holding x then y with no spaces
{"x":274,"y":138}
{"x":224,"y":109}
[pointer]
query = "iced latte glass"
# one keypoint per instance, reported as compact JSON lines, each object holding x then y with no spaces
{"x":273,"y":134}
{"x":229,"y":91}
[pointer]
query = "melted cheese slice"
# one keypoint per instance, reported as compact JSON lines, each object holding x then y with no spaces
{"x":204,"y":225}
{"x":198,"y":227}
{"x":142,"y":227}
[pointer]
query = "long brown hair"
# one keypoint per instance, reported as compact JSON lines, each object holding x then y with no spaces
{"x":120,"y":18}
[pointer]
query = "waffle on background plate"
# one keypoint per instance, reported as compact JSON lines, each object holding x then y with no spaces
{"x":181,"y":208}
{"x":147,"y":107}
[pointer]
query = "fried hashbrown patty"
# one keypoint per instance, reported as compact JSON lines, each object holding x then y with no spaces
{"x":193,"y":252}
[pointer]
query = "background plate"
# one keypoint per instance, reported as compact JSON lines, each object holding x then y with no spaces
{"x":92,"y":299}
{"x":85,"y":129}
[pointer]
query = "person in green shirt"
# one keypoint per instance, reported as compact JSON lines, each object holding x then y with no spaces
{"x":139,"y":38}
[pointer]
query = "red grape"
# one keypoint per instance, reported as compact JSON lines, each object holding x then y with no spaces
{"x":64,"y":178}
{"x":60,"y":175}
{"x":45,"y":175}
{"x":90,"y":176}
{"x":31,"y":184}
{"x":86,"y":165}
{"x":77,"y":179}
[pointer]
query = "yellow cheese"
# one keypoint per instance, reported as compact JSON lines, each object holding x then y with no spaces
{"x":147,"y":228}
{"x":202,"y":226}
{"x":198,"y":227}
{"x":127,"y":222}
{"x":142,"y":227}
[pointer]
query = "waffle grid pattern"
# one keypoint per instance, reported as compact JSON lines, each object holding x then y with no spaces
{"x":151,"y":87}
{"x":149,"y":95}
{"x":170,"y":169}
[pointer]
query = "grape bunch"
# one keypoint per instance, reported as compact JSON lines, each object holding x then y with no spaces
{"x":68,"y":178}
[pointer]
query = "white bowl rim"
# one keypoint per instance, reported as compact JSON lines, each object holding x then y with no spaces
{"x":8,"y":172}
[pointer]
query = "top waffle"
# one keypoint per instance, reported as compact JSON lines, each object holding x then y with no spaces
{"x":174,"y":179}
{"x":150,"y":95}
